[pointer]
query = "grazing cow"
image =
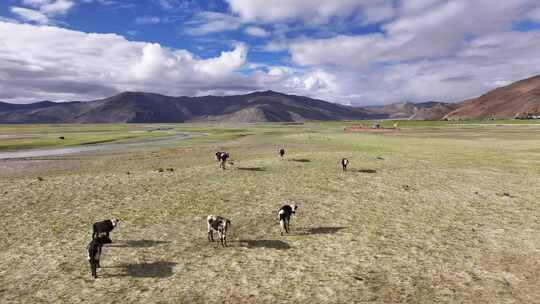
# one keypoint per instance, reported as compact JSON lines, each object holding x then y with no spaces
{"x":222,"y":158}
{"x":218,"y":156}
{"x":220,"y":225}
{"x":284,"y":216}
{"x":281,"y":152}
{"x":344,"y":163}
{"x":94,"y":253}
{"x":105,"y":227}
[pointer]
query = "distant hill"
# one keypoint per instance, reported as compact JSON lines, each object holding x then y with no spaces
{"x":519,"y":99}
{"x":4,"y":106}
{"x":399,"y":110}
{"x":435,"y":111}
{"x":138,"y":107}
{"x":430,"y":110}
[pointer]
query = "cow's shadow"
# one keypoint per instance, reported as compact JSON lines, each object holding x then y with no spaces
{"x":258,"y":169}
{"x":370,"y":171}
{"x":300,"y":160}
{"x":137,"y":243}
{"x":318,"y":230}
{"x":271,"y":244}
{"x":160,"y":269}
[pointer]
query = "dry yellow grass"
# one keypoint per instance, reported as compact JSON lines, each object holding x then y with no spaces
{"x":426,"y":215}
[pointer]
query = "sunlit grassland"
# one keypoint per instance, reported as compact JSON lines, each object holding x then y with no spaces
{"x":427,"y":214}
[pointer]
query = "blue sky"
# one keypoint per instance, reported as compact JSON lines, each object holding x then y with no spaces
{"x":348,"y":51}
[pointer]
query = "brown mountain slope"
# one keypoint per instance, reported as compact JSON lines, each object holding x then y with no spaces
{"x":518,"y":99}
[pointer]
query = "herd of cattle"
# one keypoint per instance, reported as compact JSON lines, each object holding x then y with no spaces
{"x":218,"y":224}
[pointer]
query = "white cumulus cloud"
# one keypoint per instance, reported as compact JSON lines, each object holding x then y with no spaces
{"x":42,"y":11}
{"x":256,"y":31}
{"x":211,"y":22}
{"x":431,"y":50}
{"x":348,"y":51}
{"x":46,"y":62}
{"x":30,"y":15}
{"x":314,"y":11}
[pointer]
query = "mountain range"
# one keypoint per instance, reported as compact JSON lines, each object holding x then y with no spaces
{"x":139,"y":107}
{"x":520,"y":99}
{"x":430,"y":110}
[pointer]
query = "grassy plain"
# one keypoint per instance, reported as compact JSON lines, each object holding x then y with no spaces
{"x":18,"y":137}
{"x":434,"y":213}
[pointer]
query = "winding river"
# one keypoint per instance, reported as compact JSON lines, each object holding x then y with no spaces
{"x":89,"y":148}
